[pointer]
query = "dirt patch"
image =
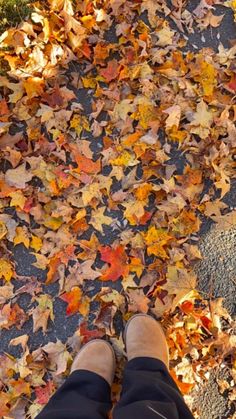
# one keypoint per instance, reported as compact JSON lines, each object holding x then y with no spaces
{"x":210,"y":401}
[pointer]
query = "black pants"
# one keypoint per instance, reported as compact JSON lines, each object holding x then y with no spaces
{"x":149,"y":392}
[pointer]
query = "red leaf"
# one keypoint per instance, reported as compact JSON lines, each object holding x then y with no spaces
{"x":187,"y":307}
{"x":232,"y":84}
{"x":89,"y":334}
{"x":111,"y":72}
{"x":43,"y":394}
{"x":118,"y":261}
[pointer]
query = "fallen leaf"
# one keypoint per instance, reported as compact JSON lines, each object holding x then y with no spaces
{"x":117,"y":259}
{"x":44,"y":393}
{"x":138,"y":302}
{"x":58,"y":356}
{"x":6,"y":270}
{"x":18,"y":177}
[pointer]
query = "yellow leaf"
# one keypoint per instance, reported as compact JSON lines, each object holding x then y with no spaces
{"x":6,"y":270}
{"x":124,"y":159}
{"x":207,"y":78}
{"x":136,"y":266}
{"x":155,"y":240}
{"x":91,"y":191}
{"x":122,"y":109}
{"x":33,"y":86}
{"x":22,"y":236}
{"x":142,"y":192}
{"x":177,"y":135}
{"x":41,"y":261}
{"x":17,"y":199}
{"x":98,"y":219}
{"x":36,"y":243}
{"x":89,"y":82}
{"x":134,"y":211}
{"x":53,"y":222}
{"x":186,"y":223}
{"x":165,"y":35}
{"x":79,"y":123}
{"x":202,"y":120}
{"x":146,"y":114}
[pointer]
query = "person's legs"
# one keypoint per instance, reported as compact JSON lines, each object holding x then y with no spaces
{"x":86,"y":392}
{"x":148,"y":391}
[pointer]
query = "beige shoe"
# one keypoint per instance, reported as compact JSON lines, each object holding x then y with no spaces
{"x":96,"y":356}
{"x":144,"y":337}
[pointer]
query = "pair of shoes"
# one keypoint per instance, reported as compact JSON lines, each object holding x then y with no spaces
{"x":143,"y":337}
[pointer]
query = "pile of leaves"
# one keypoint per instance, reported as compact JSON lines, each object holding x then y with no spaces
{"x":117,"y":140}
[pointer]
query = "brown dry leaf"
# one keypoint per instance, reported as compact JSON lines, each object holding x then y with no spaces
{"x":179,"y":284}
{"x":18,"y":177}
{"x":225,"y":222}
{"x":20,"y":340}
{"x":138,"y":302}
{"x":58,"y":356}
{"x":42,"y":313}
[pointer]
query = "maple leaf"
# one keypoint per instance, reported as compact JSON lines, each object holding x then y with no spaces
{"x":104,"y":318}
{"x":76,"y":302}
{"x":58,"y":356}
{"x":117,"y":258}
{"x":111,"y":72}
{"x":179,"y":283}
{"x":12,"y":315}
{"x":6,"y":270}
{"x":22,"y":236}
{"x":186,"y":223}
{"x":44,"y":393}
{"x":17,"y":199}
{"x":19,"y":387}
{"x":134,"y":211}
{"x":18,"y":177}
{"x":138,"y":302}
{"x":34,"y":86}
{"x":42,"y":312}
{"x":202,"y":120}
{"x":87,"y":334}
{"x":155,"y":240}
{"x":98,"y":219}
{"x":173,"y":119}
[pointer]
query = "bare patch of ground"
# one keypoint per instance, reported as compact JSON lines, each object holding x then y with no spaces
{"x":217,"y":270}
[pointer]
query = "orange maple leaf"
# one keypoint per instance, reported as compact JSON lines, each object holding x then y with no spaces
{"x":19,"y":387}
{"x":73,"y":298}
{"x":118,"y":261}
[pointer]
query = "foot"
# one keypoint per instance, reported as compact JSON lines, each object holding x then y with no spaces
{"x":144,"y":337}
{"x":96,"y":356}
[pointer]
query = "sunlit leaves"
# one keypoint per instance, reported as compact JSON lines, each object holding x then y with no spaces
{"x":117,"y":260}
